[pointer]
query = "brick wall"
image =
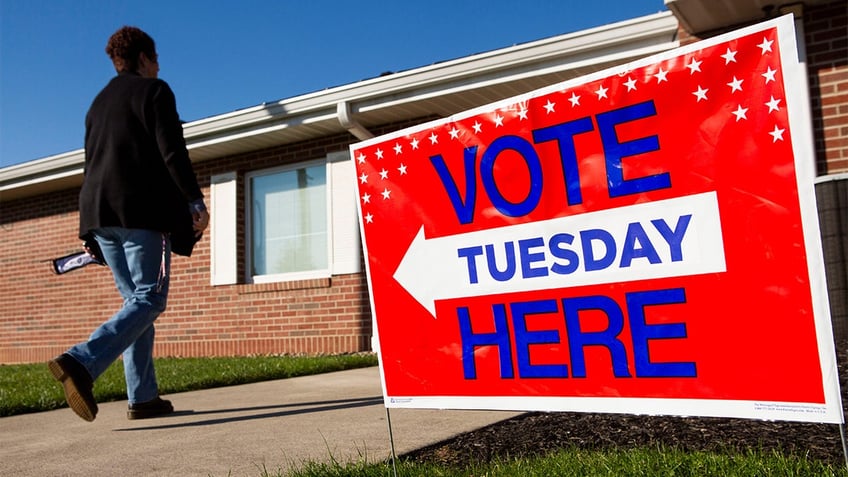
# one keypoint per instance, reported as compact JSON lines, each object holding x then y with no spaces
{"x":826,"y":36}
{"x":42,"y":314}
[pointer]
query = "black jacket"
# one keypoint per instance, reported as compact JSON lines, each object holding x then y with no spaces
{"x":137,"y":170}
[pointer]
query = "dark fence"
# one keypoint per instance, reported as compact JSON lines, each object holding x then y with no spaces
{"x":832,"y":198}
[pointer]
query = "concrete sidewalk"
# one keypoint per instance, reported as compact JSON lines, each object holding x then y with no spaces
{"x":232,"y":431}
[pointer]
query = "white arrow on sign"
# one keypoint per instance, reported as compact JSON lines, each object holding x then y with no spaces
{"x":667,"y":238}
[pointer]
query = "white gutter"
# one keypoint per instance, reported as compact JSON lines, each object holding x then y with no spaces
{"x":347,"y":122}
{"x":59,"y":168}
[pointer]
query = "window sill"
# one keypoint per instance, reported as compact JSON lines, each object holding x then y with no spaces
{"x":284,"y":286}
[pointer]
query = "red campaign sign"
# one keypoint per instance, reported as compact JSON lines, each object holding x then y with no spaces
{"x":641,"y":240}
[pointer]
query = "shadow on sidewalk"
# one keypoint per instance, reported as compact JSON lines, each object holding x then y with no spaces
{"x":283,"y":410}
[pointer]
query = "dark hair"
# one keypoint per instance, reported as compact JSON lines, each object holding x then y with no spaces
{"x":126,"y":44}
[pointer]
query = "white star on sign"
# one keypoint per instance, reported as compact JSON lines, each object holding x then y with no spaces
{"x":729,"y":56}
{"x":550,"y":106}
{"x":701,"y":93}
{"x":414,"y":143}
{"x":386,"y":193}
{"x":384,"y":174}
{"x":433,"y":138}
{"x":694,"y":66}
{"x":454,"y":133}
{"x":498,"y":120}
{"x":522,"y":114}
{"x":361,"y":158}
{"x":601,"y":92}
{"x":630,"y":83}
{"x":735,"y":85}
{"x":363,"y":178}
{"x":575,"y":100}
{"x":379,"y":154}
{"x":773,"y":104}
{"x":740,"y":113}
{"x":402,"y":169}
{"x":366,"y":198}
{"x":477,"y":127}
{"x":369,"y":218}
{"x":765,"y":45}
{"x":769,"y":74}
{"x":398,"y":148}
{"x":661,"y":76}
{"x":777,"y":134}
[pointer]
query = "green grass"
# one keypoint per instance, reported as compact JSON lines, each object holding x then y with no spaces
{"x":28,"y":388}
{"x":576,"y":462}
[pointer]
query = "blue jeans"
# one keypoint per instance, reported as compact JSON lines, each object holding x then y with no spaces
{"x":141,"y":264}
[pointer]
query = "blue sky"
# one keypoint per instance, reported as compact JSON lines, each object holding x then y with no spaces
{"x":221,"y":56}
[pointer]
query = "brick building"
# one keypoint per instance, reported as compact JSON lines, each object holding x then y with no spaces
{"x":268,"y":279}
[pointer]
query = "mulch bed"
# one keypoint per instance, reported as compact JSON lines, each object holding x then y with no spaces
{"x":536,"y":434}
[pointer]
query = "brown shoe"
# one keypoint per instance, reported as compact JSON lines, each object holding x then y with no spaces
{"x":77,"y":383}
{"x":153,"y":408}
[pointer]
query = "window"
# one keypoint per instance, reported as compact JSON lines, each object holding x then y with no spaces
{"x":288,"y":223}
{"x":276,"y":208}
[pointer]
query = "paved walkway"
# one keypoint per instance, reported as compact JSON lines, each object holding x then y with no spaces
{"x":233,"y":431}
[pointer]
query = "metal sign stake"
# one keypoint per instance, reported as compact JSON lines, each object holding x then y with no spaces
{"x":392,"y":442}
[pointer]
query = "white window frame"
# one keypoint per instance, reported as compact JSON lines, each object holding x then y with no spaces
{"x":223,"y":238}
{"x":347,"y":241}
{"x":283,"y":277}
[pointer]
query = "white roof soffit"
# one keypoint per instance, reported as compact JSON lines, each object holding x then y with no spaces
{"x":703,"y":16}
{"x":440,"y":89}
